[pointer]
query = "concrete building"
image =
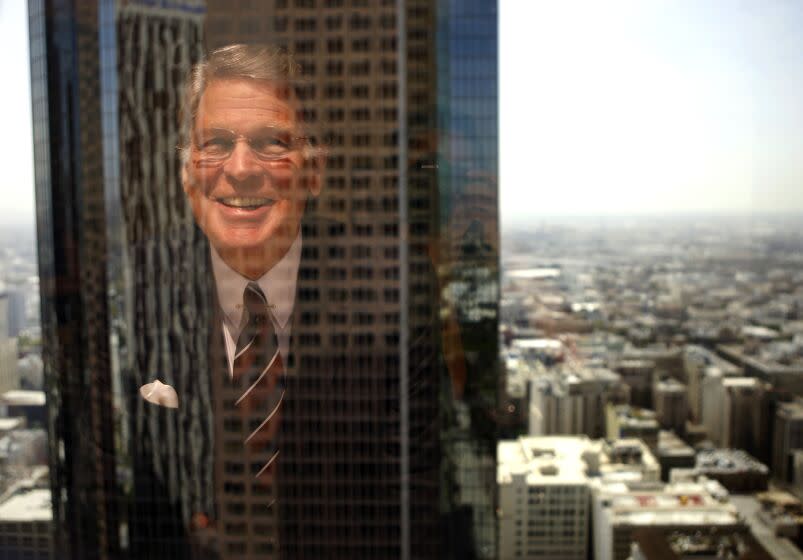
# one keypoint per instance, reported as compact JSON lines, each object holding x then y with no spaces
{"x":543,"y":498}
{"x":544,"y":487}
{"x":30,"y":404}
{"x":735,"y":412}
{"x":573,"y":401}
{"x":620,"y":510}
{"x":698,"y":362}
{"x":745,"y":422}
{"x":25,"y":525}
{"x":673,"y":453}
{"x":691,"y":544}
{"x":8,"y":349}
{"x":621,"y":460}
{"x":638,"y":375}
{"x":787,"y":439}
{"x":671,"y":405}
{"x":735,"y":469}
{"x":626,"y":421}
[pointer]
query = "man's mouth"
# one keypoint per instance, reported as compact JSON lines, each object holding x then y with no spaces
{"x":245,"y":202}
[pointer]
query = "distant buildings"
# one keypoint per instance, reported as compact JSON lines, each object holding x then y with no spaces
{"x":735,"y":412}
{"x":734,"y":469}
{"x":671,"y":405}
{"x":698,"y":364}
{"x":673,"y":453}
{"x":8,"y":348}
{"x":626,"y":421}
{"x":788,"y":438}
{"x":573,"y":401}
{"x":638,"y":375}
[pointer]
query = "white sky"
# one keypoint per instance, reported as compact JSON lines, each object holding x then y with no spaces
{"x":16,"y":144}
{"x":605,"y":107}
{"x":644,"y":106}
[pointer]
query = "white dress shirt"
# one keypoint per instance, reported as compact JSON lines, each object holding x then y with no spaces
{"x":279,"y":286}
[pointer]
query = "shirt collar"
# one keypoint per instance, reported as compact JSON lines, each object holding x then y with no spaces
{"x":278,"y":283}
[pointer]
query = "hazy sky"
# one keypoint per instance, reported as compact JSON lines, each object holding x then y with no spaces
{"x":632,"y":107}
{"x":16,"y":145}
{"x":606,"y":107}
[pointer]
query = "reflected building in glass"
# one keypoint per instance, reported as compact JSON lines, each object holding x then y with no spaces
{"x":389,"y":418}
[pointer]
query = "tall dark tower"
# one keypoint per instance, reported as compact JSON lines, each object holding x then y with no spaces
{"x":71,"y":225}
{"x":468,"y":225}
{"x":388,"y":423}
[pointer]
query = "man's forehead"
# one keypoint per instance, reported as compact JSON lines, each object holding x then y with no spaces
{"x":243,"y":101}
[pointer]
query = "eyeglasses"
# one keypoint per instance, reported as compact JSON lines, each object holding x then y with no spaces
{"x":215,"y":146}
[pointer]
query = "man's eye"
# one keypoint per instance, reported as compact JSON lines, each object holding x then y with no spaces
{"x":270,"y":145}
{"x":216,"y":144}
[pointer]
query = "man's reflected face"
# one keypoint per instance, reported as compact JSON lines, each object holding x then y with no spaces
{"x":243,"y":176}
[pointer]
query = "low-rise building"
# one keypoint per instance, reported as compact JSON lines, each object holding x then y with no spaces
{"x":30,"y":404}
{"x":620,"y":510}
{"x":26,"y":518}
{"x":673,"y":453}
{"x":735,"y":469}
{"x":693,"y":544}
{"x":625,"y":421}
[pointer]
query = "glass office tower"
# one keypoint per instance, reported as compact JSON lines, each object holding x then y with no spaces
{"x":389,"y":416}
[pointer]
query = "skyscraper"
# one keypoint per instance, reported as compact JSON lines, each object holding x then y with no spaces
{"x":388,"y":428}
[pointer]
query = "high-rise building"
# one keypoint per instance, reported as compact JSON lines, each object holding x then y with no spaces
{"x":788,"y":438}
{"x":573,"y":401}
{"x":389,"y":419}
{"x":671,"y":405}
{"x":9,"y":378}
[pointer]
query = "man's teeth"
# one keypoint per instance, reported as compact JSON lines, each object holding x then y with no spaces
{"x":245,"y":202}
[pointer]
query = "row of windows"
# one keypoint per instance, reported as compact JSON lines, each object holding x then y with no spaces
{"x":357,"y":273}
{"x":242,"y":548}
{"x":358,"y":318}
{"x":386,"y":90}
{"x":413,"y":11}
{"x":334,"y":22}
{"x":362,"y":182}
{"x":37,"y":527}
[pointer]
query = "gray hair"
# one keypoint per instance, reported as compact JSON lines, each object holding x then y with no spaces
{"x":255,"y":62}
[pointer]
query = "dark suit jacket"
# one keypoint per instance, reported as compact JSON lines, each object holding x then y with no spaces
{"x":339,"y":470}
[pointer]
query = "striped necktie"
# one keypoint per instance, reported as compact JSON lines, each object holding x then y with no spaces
{"x":258,"y":370}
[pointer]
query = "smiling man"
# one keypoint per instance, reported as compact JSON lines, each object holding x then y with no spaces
{"x":248,"y":171}
{"x":247,"y":177}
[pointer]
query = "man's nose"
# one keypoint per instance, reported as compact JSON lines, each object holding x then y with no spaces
{"x":242,"y":164}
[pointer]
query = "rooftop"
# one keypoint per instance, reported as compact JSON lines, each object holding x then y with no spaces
{"x":30,"y":505}
{"x":728,"y":460}
{"x":7,"y":424}
{"x":552,"y":460}
{"x":676,"y":504}
{"x":19,"y":397}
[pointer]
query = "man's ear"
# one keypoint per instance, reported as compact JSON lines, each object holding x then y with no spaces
{"x":185,"y":175}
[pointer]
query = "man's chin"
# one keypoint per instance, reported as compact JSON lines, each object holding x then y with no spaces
{"x":254,"y":258}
